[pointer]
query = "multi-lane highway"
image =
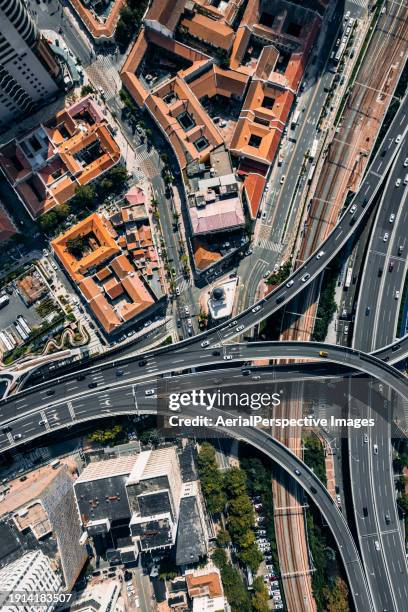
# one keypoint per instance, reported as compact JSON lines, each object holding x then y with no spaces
{"x":370,"y":454}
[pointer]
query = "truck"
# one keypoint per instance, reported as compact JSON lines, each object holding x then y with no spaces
{"x":295,"y":119}
{"x":340,"y":52}
{"x":349,"y":276}
{"x":313,"y":149}
{"x":311,"y":173}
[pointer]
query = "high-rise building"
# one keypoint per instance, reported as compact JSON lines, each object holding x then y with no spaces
{"x":30,"y":574}
{"x":29,"y":72}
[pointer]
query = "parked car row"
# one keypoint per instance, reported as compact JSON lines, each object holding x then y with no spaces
{"x":270,"y":578}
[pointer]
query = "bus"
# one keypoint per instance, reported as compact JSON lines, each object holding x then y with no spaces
{"x":349,"y":276}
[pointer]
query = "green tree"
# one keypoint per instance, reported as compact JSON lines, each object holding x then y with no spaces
{"x":337,"y":597}
{"x":260,"y":598}
{"x":76,"y":246}
{"x":219,"y":558}
{"x":84,"y":197}
{"x":235,"y":482}
{"x":48,"y":221}
{"x":251,"y":556}
{"x":223,"y":538}
{"x":86,"y":89}
{"x":106,"y":436}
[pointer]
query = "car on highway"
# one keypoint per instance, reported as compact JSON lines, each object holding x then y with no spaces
{"x":282,"y":179}
{"x":17,"y":436}
{"x":323,"y":353}
{"x":392,"y":218}
{"x":177,"y":290}
{"x":367,"y":310}
{"x":391,"y":266}
{"x":256,"y":308}
{"x":353,"y":209}
{"x":387,"y":519}
{"x":216,"y":353}
{"x":92,"y":385}
{"x":290,"y":283}
{"x":396,"y":294}
{"x":305,"y":277}
{"x":400,"y":249}
{"x":240,"y":328}
{"x":149,"y":392}
{"x":263,"y":217}
{"x":245,"y":372}
{"x":385,"y":237}
{"x":320,"y":254}
{"x":267,"y":273}
{"x":187,"y":310}
{"x":142,"y":363}
{"x":398,"y":139}
{"x":227,"y":357}
{"x":205,"y":343}
{"x":377,"y":545}
{"x":398,"y":182}
{"x":256,"y":378}
{"x":232,"y":323}
{"x":405,"y":162}
{"x":189,"y":322}
{"x":120,"y":372}
{"x":375,"y":449}
{"x":297,"y":472}
{"x":280,"y":299}
{"x":365,"y":438}
{"x":50,"y":392}
{"x":42,"y":422}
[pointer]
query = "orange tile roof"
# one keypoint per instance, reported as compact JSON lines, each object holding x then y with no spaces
{"x":216,"y":33}
{"x":104,"y":273}
{"x":122,"y":266}
{"x":204,"y":584}
{"x":99,"y":29}
{"x":141,"y":298}
{"x":204,"y":258}
{"x":105,"y":249}
{"x":113,"y":288}
{"x":89,"y":288}
{"x":254,"y":185}
{"x":166,"y":12}
{"x":105,"y":313}
{"x":58,"y":175}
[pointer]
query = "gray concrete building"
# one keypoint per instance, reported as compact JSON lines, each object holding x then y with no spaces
{"x":29,"y":72}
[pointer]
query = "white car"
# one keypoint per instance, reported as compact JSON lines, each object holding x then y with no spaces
{"x":406,"y":162}
{"x":276,"y":268}
{"x":397,"y":294}
{"x":239,"y":328}
{"x":256,"y":378}
{"x":205,"y":343}
{"x":227,"y":357}
{"x":177,"y":290}
{"x":187,"y":310}
{"x":365,"y":438}
{"x":267,"y":273}
{"x":149,"y":392}
{"x":353,"y":209}
{"x":385,"y":237}
{"x":377,"y":545}
{"x":263,"y":215}
{"x":305,"y":277}
{"x":392,"y":218}
{"x":320,"y":254}
{"x":290,"y":283}
{"x":398,"y":139}
{"x":256,"y":308}
{"x":398,"y":182}
{"x":282,"y":180}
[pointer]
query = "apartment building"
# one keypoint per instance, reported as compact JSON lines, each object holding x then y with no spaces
{"x":30,"y":574}
{"x":29,"y":72}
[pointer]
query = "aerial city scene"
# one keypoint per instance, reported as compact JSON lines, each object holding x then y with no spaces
{"x":203,"y":305}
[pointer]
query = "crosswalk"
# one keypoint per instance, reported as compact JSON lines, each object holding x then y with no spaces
{"x":147,"y":162}
{"x":269,"y":245}
{"x":103,"y":73}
